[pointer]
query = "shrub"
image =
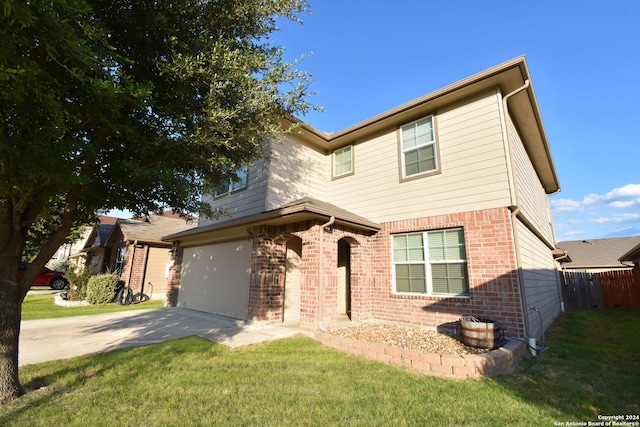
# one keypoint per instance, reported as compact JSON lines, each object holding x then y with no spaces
{"x":101,"y":288}
{"x":63,"y":265}
{"x":78,"y":278}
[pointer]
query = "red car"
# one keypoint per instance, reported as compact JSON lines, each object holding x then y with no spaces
{"x":47,"y":277}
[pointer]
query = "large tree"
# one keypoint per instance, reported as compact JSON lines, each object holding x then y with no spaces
{"x":128,"y":104}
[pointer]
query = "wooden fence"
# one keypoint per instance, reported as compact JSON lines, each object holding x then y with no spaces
{"x":611,"y":290}
{"x":620,"y":289}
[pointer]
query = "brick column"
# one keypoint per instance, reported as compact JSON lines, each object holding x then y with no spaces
{"x":268,"y":266}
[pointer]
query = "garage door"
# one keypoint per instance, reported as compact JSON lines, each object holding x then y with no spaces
{"x":215,"y":279}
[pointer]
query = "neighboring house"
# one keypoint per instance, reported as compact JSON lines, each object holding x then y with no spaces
{"x":73,"y":251}
{"x":94,"y":254}
{"x":68,"y":249}
{"x":632,"y":256}
{"x":135,"y":250}
{"x":597,"y":255}
{"x":434,"y":210}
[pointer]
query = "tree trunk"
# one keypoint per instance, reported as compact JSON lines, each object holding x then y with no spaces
{"x":11,"y":297}
{"x":10,"y":316}
{"x":13,"y":232}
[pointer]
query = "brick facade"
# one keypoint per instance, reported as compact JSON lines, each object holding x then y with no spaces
{"x":491,"y":265}
{"x":135,"y":259}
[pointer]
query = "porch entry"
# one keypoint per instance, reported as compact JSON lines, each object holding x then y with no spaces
{"x":344,"y":278}
{"x":293,"y":274}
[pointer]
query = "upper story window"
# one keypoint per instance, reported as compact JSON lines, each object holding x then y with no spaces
{"x":418,"y":147}
{"x":237,"y":183}
{"x":430,"y":263}
{"x":343,"y":161}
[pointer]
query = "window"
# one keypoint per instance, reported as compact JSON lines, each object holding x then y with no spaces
{"x":342,"y":161}
{"x":120,"y":260}
{"x":238,"y":182}
{"x":418,"y":145}
{"x":431,"y":263}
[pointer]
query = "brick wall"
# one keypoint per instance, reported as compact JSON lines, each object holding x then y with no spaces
{"x":492,"y":272}
{"x":136,"y":258}
{"x":501,"y":361}
{"x":491,"y":263}
{"x":173,"y":282}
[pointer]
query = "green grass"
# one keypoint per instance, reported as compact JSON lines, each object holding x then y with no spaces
{"x":592,"y":367}
{"x":42,"y":307}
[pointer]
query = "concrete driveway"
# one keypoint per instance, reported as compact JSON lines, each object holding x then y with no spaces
{"x":54,"y":339}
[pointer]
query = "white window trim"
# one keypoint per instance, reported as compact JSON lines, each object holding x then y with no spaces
{"x":434,"y":143}
{"x":333,"y":157}
{"x":427,"y":263}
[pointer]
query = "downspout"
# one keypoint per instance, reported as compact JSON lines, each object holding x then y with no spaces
{"x":515,"y":208}
{"x":321,"y":272}
{"x":566,"y":255}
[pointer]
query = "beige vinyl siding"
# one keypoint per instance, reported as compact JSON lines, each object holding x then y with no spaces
{"x":473,"y":169}
{"x":296,"y":171}
{"x":155,"y":273}
{"x":540,"y":280}
{"x":533,"y":201}
{"x":242,"y":203}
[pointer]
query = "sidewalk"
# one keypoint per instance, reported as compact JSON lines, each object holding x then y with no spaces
{"x":55,"y":339}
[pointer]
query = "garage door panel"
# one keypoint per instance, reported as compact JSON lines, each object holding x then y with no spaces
{"x":215,"y":279}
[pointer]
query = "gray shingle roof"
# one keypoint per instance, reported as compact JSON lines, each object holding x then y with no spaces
{"x":152,"y":229}
{"x":597,"y":252}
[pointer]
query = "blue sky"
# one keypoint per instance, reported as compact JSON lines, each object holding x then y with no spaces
{"x":368,"y":57}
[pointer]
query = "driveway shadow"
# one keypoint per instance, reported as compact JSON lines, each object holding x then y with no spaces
{"x":44,"y":340}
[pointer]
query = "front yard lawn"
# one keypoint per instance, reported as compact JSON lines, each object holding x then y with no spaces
{"x":592,"y":368}
{"x":42,"y":307}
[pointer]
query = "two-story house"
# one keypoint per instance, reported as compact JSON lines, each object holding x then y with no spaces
{"x":434,"y":210}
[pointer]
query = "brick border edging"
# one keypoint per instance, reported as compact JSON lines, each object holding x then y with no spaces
{"x":501,"y":361}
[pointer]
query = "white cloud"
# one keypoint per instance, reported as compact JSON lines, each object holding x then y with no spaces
{"x":573,"y":233}
{"x":625,"y":197}
{"x":565,"y":205}
{"x":620,"y":218}
{"x":624,"y":204}
{"x":629,"y":193}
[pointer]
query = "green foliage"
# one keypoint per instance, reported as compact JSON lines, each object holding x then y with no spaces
{"x":120,"y":104}
{"x":45,"y":227}
{"x":101,"y":95}
{"x":78,"y":278}
{"x":101,"y":288}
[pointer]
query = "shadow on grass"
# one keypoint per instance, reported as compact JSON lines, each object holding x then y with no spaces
{"x":590,"y":369}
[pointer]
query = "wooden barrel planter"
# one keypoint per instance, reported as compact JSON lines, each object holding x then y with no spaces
{"x":481,"y":333}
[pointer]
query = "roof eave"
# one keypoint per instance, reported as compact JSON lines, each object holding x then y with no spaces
{"x":632,"y":255}
{"x":280,"y":216}
{"x":508,"y":76}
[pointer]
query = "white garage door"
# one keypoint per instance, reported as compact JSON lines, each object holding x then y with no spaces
{"x":215,"y":279}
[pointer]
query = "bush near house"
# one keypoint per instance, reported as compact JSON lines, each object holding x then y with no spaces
{"x":78,"y":279}
{"x":101,"y":288}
